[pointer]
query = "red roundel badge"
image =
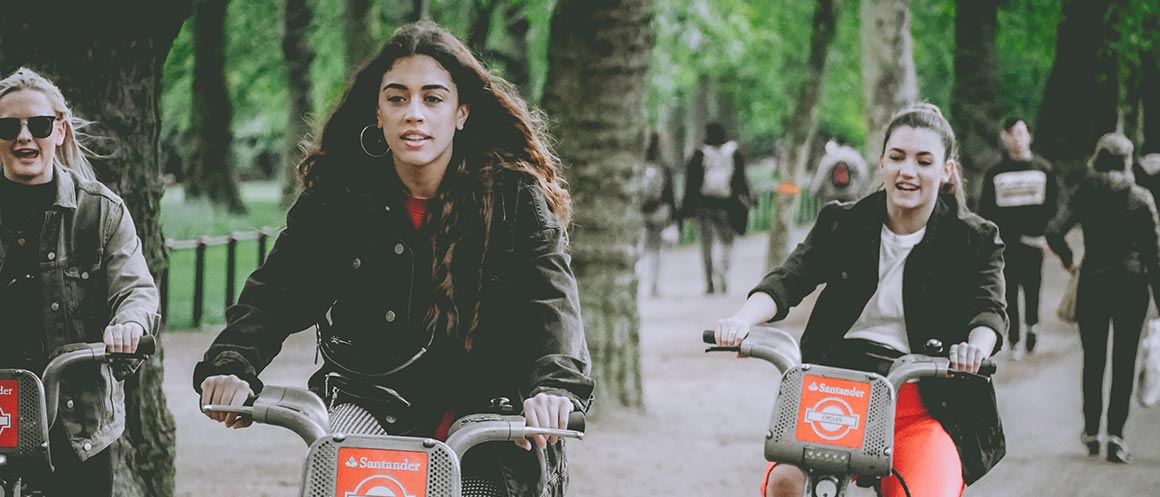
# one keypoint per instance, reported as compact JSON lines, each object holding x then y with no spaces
{"x":366,"y":472}
{"x":9,"y":410}
{"x":832,"y":411}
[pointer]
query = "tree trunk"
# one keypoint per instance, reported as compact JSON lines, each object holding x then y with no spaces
{"x":480,"y":27}
{"x":973,"y":101}
{"x":211,"y":157}
{"x":109,"y":69}
{"x":801,"y":127}
{"x":598,"y":64}
{"x":888,"y":79}
{"x":517,"y":67}
{"x":1080,"y":98}
{"x":357,"y":33}
{"x":421,"y":10}
{"x":1150,"y":103}
{"x":298,"y":54}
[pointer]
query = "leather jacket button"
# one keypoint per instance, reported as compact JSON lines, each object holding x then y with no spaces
{"x":55,"y":306}
{"x":356,"y":263}
{"x":399,"y":248}
{"x":844,"y":275}
{"x":390,"y":419}
{"x":69,"y":404}
{"x":387,"y":208}
{"x":52,"y":256}
{"x":87,"y":446}
{"x":390,"y":317}
{"x":85,"y":275}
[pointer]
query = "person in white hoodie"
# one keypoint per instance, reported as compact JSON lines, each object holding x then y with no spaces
{"x":717,"y":195}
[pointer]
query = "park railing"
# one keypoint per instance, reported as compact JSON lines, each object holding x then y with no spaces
{"x":200,"y":246}
{"x":760,"y":218}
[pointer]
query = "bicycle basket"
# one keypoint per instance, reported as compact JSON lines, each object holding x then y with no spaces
{"x":834,"y":420}
{"x":23,"y":421}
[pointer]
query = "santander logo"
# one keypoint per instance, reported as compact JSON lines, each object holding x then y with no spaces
{"x":848,"y":392}
{"x":367,"y":463}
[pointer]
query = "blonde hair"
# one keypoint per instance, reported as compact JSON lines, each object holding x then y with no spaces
{"x":72,"y":152}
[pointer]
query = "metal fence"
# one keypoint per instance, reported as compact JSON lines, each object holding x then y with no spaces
{"x":200,"y":245}
{"x":760,"y":217}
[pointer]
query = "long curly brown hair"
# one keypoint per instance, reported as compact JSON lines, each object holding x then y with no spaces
{"x":500,"y":133}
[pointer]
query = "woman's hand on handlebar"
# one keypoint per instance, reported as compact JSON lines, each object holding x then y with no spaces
{"x":731,"y":331}
{"x":545,"y":411}
{"x":123,"y":338}
{"x":758,"y":308}
{"x":966,"y":357}
{"x":226,"y":390}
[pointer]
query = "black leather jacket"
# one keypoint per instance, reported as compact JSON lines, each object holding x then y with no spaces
{"x":1120,"y":230}
{"x":952,"y":283}
{"x":350,"y":261}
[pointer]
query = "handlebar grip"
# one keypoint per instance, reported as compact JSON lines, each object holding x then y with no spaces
{"x":146,"y":347}
{"x":988,"y":368}
{"x":709,"y":336}
{"x":577,"y":421}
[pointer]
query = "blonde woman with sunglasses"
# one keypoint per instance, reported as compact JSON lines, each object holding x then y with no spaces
{"x":71,"y":271}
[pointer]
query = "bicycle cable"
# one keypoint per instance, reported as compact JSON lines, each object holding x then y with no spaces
{"x":901,"y":481}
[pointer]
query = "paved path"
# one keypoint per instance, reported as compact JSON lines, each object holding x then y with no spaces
{"x":701,"y":431}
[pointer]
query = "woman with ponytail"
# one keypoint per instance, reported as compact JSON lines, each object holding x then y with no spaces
{"x":71,"y":271}
{"x":430,"y":249}
{"x":903,"y":265}
{"x":1121,"y":260}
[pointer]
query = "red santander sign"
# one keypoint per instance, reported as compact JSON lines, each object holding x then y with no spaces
{"x":9,"y":409}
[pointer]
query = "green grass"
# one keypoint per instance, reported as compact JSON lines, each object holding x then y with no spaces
{"x":183,"y":219}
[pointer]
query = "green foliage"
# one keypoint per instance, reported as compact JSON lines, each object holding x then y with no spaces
{"x":751,"y":51}
{"x":1026,"y":52}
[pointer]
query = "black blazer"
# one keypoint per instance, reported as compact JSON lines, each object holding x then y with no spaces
{"x":952,"y":283}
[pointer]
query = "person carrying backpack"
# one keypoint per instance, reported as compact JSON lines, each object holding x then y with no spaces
{"x":717,"y":195}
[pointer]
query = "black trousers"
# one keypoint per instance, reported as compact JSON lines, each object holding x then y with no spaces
{"x":92,"y":477}
{"x":1022,"y":268}
{"x":1121,"y":299}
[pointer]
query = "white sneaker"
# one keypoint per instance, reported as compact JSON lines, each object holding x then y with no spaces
{"x":1017,"y":352}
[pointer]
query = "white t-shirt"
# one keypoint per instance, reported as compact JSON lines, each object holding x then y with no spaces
{"x":882,"y":319}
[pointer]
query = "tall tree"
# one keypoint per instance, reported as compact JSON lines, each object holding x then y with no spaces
{"x":598,"y":63}
{"x":211,"y":162}
{"x":888,"y":78}
{"x":299,"y":56}
{"x":802,"y":125}
{"x":1150,"y":103}
{"x":356,"y":32}
{"x":1080,"y":100}
{"x":109,"y":67}
{"x":421,"y":10}
{"x":974,"y":106}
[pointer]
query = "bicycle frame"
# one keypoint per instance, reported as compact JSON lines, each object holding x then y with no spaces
{"x":355,"y":465}
{"x":28,"y":409}
{"x":834,"y":423}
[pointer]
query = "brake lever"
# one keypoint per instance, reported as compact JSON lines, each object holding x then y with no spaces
{"x":722,"y":349}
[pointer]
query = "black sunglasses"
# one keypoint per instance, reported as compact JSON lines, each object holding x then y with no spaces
{"x":39,"y":126}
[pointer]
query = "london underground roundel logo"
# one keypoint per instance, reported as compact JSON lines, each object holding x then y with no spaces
{"x":832,"y":411}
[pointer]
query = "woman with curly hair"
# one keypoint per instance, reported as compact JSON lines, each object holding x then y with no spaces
{"x":430,"y":248}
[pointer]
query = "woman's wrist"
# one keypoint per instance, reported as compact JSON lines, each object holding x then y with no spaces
{"x":759,"y":308}
{"x":984,"y":338}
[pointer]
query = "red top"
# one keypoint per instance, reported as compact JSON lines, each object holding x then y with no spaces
{"x":416,"y":208}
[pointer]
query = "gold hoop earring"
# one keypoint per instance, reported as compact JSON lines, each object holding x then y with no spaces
{"x":380,"y":140}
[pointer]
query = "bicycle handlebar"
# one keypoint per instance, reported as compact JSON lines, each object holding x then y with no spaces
{"x":91,"y":352}
{"x":301,"y":411}
{"x":780,"y":349}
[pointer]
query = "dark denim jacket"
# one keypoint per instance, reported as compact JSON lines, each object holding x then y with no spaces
{"x":348,"y":261}
{"x":951,"y":284}
{"x":92,"y":274}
